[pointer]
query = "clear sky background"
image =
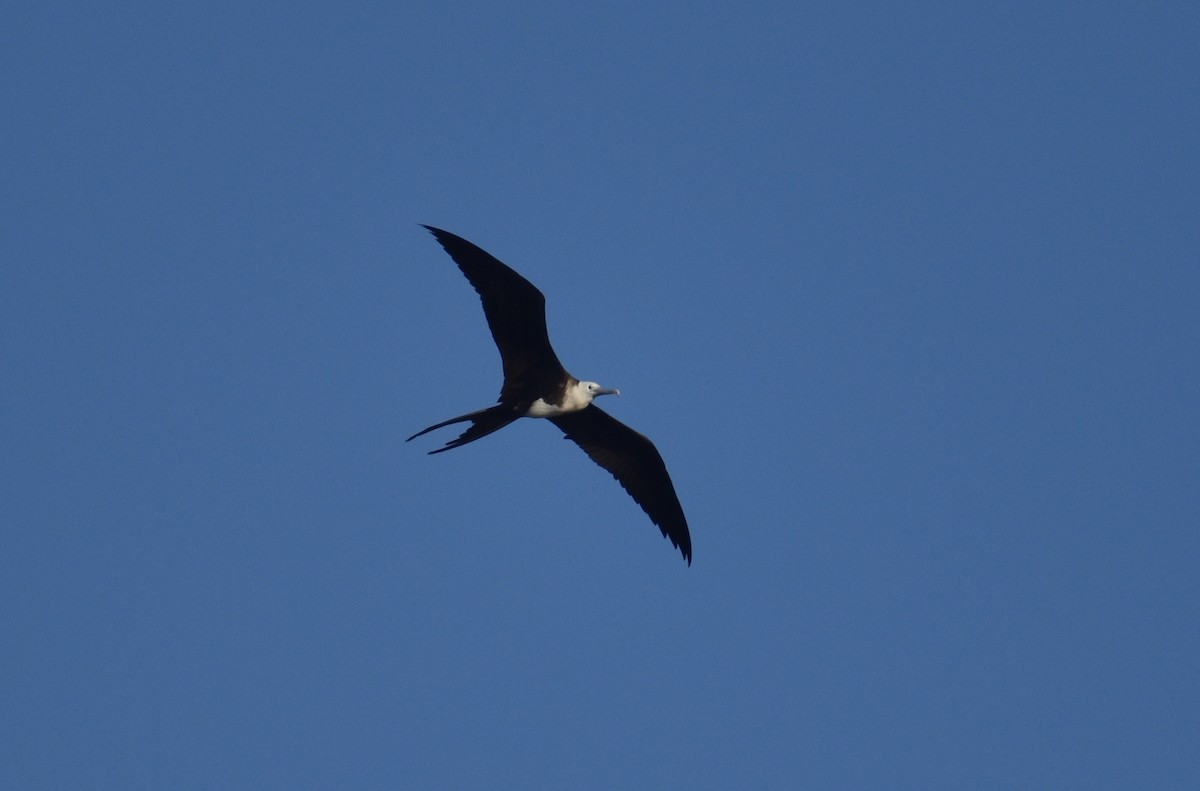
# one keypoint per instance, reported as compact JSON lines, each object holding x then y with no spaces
{"x":907,"y":294}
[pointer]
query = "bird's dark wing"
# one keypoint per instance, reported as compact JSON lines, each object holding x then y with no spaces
{"x":635,"y":463}
{"x":516,"y":314}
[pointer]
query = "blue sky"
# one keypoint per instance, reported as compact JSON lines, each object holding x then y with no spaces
{"x":906,"y":295}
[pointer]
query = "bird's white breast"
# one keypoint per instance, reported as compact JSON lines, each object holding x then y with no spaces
{"x":540,"y":408}
{"x":576,"y":399}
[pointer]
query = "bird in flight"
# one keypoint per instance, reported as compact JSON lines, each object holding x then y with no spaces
{"x":536,"y":385}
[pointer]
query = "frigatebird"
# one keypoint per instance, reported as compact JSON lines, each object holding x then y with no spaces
{"x":537,"y":385}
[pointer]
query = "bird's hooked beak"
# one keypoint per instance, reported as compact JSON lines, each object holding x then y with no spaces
{"x":608,"y":391}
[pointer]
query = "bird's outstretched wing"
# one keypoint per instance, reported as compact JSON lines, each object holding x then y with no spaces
{"x":516,"y":315}
{"x":635,"y":463}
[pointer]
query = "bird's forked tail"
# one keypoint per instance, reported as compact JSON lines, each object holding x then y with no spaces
{"x":483,"y":422}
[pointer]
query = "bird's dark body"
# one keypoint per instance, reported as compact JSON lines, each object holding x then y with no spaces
{"x":533,"y":375}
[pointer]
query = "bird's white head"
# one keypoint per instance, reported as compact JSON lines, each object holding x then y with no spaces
{"x":591,"y":390}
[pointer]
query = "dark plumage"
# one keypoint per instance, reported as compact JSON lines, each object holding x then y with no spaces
{"x":537,"y":385}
